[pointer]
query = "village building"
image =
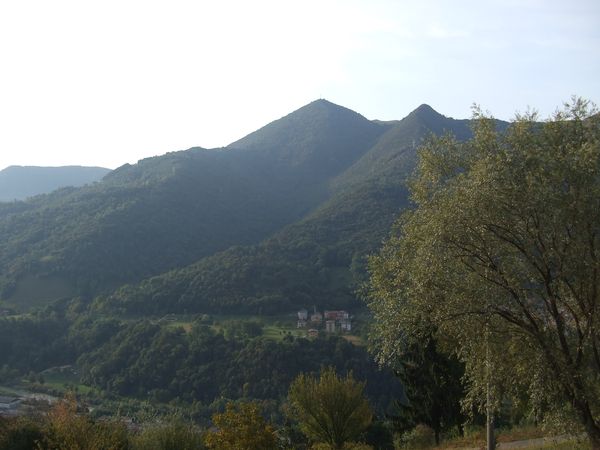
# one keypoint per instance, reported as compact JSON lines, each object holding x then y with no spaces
{"x":313,"y":333}
{"x":316,"y":317}
{"x":336,"y":315}
{"x":303,"y":315}
{"x":330,"y":326}
{"x":334,"y":320}
{"x":346,"y":325}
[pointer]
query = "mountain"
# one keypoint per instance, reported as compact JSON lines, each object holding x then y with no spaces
{"x":21,"y":182}
{"x":320,"y":137}
{"x":170,"y":211}
{"x":395,"y":152}
{"x":284,"y":217}
{"x":318,"y":260}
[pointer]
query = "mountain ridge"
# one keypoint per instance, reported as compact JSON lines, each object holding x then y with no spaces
{"x":318,"y":260}
{"x":283,"y":216}
{"x":20,"y":182}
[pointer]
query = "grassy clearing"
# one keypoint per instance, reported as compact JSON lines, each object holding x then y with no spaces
{"x":275,"y":328}
{"x":61,"y":380}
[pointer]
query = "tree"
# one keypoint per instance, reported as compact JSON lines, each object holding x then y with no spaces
{"x":20,"y":433}
{"x":241,"y":428}
{"x":432,"y":383}
{"x":501,"y":257}
{"x":173,"y":434}
{"x":66,"y":429}
{"x":331,"y":409}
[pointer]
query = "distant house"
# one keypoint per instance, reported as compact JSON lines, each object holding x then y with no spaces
{"x":312,"y":333}
{"x":316,"y":317}
{"x":301,"y":323}
{"x":346,"y":325}
{"x":303,"y":314}
{"x":336,"y":315}
{"x":9,"y":403}
{"x":330,"y":326}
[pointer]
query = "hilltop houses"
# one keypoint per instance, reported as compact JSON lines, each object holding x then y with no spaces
{"x":302,"y":318}
{"x":334,"y":321}
{"x":330,"y":326}
{"x":336,"y":315}
{"x":303,"y":314}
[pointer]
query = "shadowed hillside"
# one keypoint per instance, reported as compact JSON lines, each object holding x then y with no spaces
{"x":169,"y":211}
{"x":319,"y":260}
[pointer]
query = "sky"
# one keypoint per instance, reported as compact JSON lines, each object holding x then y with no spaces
{"x":105,"y":83}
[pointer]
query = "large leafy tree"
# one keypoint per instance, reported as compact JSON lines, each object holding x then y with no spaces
{"x":331,"y":409}
{"x":501,"y":258}
{"x":241,"y":428}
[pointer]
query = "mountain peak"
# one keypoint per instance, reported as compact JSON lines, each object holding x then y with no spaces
{"x":324,"y":106}
{"x":317,"y":124}
{"x":323,"y":101}
{"x":426,"y":112}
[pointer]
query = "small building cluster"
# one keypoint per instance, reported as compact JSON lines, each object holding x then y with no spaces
{"x":332,"y":320}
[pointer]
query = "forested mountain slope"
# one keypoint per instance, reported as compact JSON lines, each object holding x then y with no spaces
{"x":318,"y":260}
{"x":169,"y":211}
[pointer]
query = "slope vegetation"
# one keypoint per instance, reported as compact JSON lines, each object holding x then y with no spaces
{"x":169,"y":211}
{"x":319,"y":260}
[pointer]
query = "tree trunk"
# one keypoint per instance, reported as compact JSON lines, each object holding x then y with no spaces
{"x":593,"y":431}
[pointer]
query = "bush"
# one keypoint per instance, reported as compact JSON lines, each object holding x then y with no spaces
{"x":174,"y":435}
{"x":419,"y":437}
{"x":346,"y":446}
{"x":19,"y":434}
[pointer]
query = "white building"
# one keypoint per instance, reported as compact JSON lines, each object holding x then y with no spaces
{"x":303,"y":314}
{"x":346,"y":325}
{"x":330,"y":326}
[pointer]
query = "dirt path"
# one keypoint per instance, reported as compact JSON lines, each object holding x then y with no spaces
{"x":529,"y":443}
{"x":535,"y":442}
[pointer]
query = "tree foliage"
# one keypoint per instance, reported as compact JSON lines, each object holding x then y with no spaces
{"x":505,"y":237}
{"x":66,"y":429}
{"x":172,"y":434}
{"x":20,"y":433}
{"x":241,"y":428}
{"x":331,"y":409}
{"x":433,"y":387}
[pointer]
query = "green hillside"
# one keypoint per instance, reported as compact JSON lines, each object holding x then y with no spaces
{"x":169,"y":211}
{"x":320,"y":139}
{"x":318,"y":260}
{"x":284,"y":217}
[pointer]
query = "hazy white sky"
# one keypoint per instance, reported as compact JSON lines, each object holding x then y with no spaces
{"x":109,"y":82}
